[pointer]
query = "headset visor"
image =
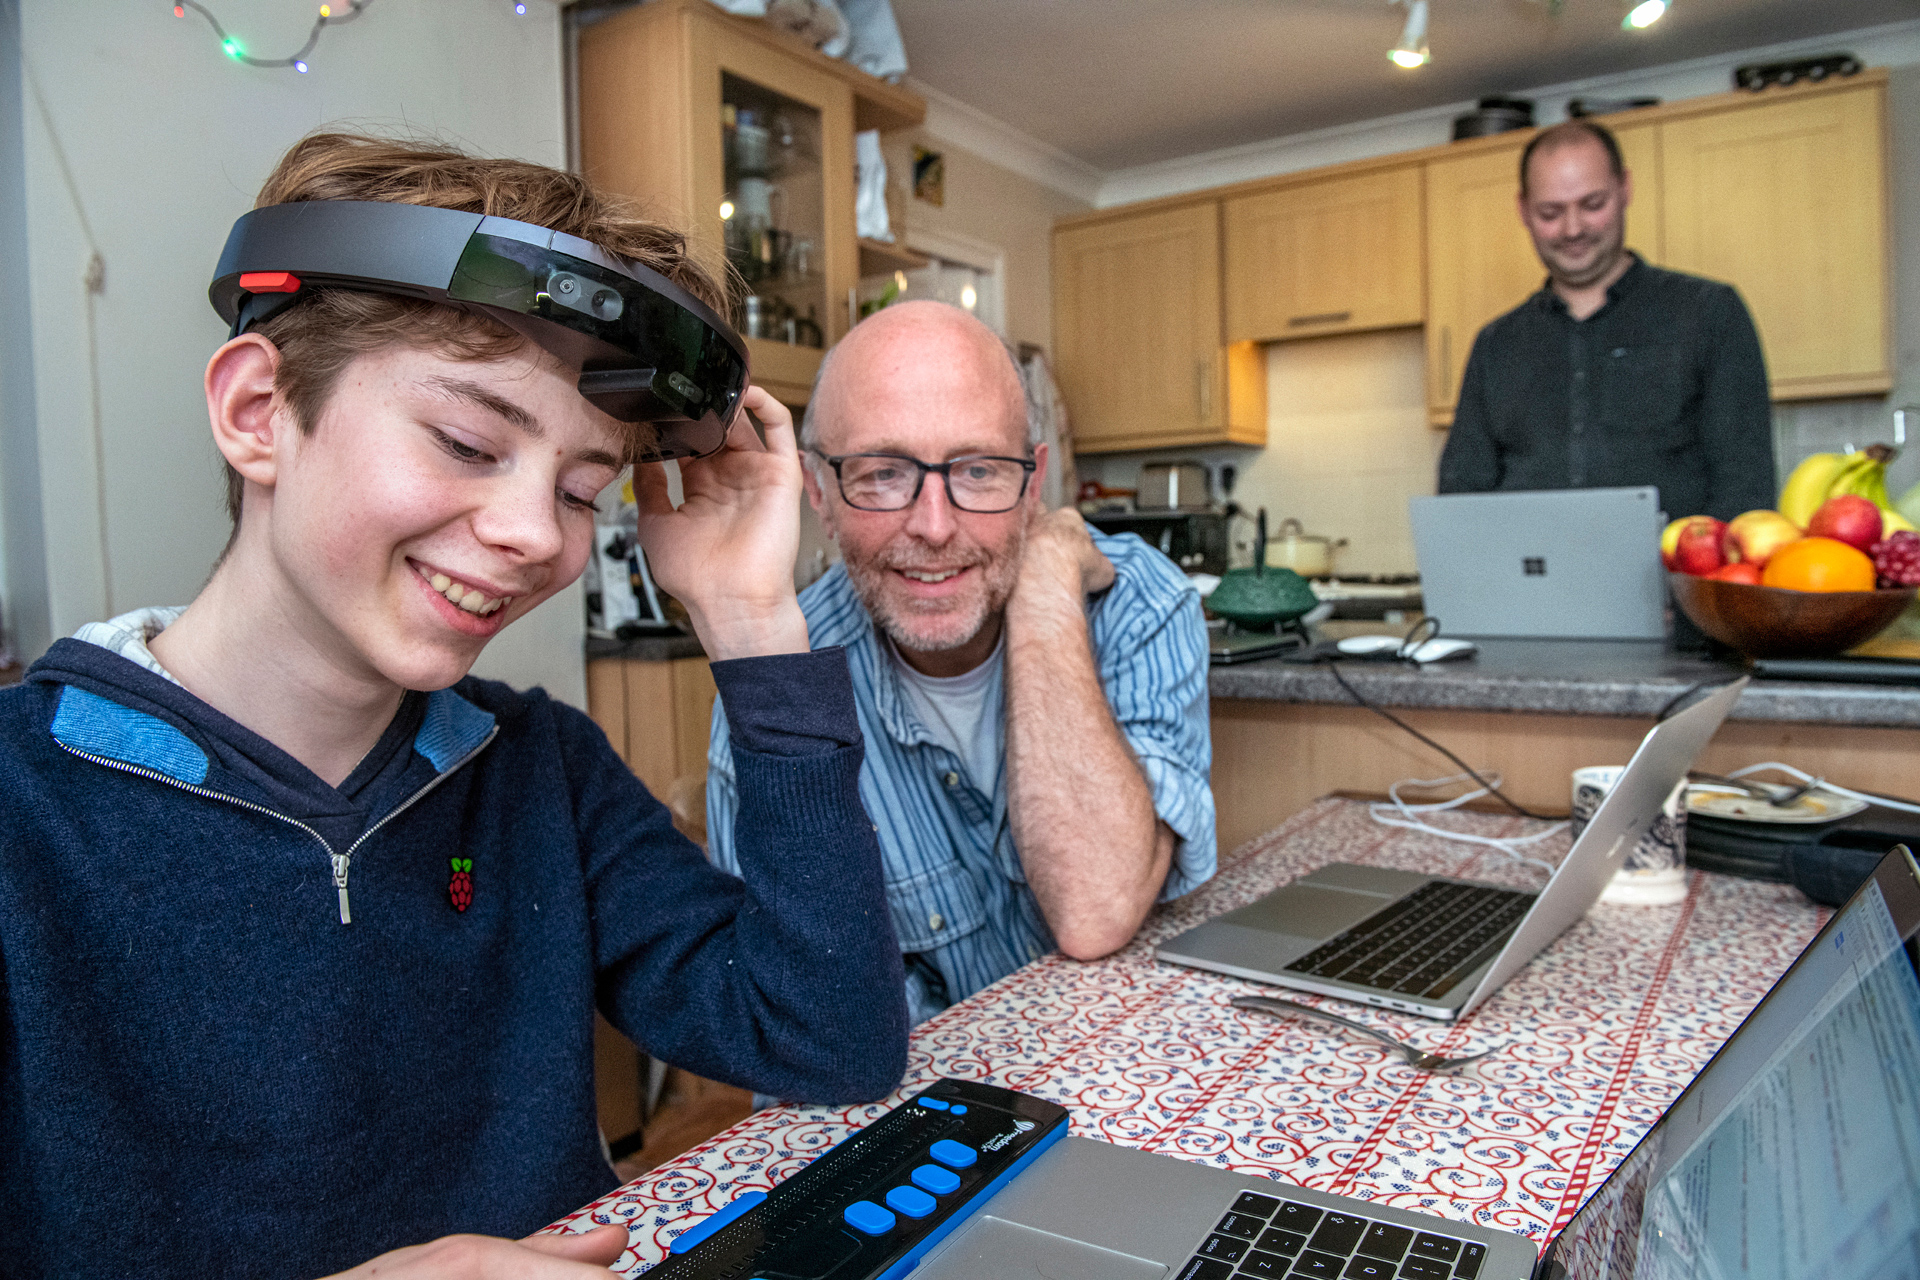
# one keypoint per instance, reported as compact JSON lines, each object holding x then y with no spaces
{"x":648,"y":352}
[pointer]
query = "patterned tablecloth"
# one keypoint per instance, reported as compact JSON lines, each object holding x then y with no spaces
{"x":1600,"y":1033}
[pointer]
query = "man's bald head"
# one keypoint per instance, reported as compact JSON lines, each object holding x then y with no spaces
{"x":1572,"y":133}
{"x":926,"y":360}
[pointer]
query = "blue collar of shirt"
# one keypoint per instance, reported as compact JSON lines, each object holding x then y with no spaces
{"x":844,"y":621}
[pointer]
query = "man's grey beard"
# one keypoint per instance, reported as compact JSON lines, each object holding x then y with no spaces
{"x":868,"y":581}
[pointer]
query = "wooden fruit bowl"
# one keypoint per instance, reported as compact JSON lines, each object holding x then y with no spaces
{"x":1772,"y":622}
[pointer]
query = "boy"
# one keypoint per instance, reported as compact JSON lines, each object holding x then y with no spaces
{"x":301,"y":929}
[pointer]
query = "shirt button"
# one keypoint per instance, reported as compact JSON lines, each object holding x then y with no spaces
{"x":952,"y":779}
{"x":1579,"y":375}
{"x":936,"y":922}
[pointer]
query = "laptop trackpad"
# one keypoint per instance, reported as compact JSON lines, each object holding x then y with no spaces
{"x":1004,"y":1250}
{"x":1307,"y":911}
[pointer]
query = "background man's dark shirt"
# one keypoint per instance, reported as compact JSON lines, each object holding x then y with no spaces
{"x":1664,"y":385}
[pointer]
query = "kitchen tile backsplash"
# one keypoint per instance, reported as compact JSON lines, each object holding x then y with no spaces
{"x":1347,"y":444}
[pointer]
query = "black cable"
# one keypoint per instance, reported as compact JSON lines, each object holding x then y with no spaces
{"x":1674,"y":702}
{"x":238,"y":52}
{"x":1465,"y":768}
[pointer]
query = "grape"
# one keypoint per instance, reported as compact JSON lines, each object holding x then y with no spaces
{"x":1896,"y":561}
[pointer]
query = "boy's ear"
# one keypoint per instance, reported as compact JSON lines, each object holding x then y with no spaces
{"x":240,"y":405}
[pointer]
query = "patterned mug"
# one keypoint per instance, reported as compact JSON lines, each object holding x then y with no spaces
{"x":1655,"y":873}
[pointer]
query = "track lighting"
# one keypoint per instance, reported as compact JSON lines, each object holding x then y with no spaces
{"x":1411,"y":52}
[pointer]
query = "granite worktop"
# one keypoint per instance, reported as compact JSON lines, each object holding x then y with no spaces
{"x":655,"y":648}
{"x":1580,"y":677}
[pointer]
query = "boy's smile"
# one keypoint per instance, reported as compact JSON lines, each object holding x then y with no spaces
{"x":435,"y":501}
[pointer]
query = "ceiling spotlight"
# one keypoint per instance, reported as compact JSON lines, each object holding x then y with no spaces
{"x":1411,"y":52}
{"x":1644,"y":14}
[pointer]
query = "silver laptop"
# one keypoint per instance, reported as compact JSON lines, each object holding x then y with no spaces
{"x":1795,"y":1152}
{"x":1430,"y":944}
{"x":1564,"y":563}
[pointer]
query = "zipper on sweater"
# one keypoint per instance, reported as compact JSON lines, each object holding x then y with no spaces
{"x":342,"y":863}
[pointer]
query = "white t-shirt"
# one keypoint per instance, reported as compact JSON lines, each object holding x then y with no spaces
{"x":966,"y":713}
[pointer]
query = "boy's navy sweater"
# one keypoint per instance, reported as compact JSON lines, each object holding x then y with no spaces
{"x":204,"y":1072}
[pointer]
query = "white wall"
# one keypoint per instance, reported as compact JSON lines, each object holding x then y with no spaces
{"x":166,"y":140}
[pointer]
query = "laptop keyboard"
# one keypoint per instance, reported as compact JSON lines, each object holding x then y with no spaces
{"x":1425,"y":943}
{"x":1268,"y":1236}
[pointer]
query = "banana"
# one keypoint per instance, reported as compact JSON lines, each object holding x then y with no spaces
{"x":1810,"y":483}
{"x":1826,"y":475}
{"x":1868,"y":479}
{"x":1892,"y":522}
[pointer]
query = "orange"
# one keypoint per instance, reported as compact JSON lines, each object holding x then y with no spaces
{"x":1819,"y":564}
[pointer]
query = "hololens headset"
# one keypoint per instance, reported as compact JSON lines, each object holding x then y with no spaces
{"x":647,"y":350}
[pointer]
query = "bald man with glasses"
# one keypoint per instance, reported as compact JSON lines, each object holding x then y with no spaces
{"x":1033,"y":694}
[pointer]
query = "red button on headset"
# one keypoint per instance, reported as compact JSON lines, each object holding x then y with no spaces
{"x":269,"y":282}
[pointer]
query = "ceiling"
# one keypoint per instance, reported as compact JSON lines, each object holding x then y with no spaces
{"x":1117,"y":83}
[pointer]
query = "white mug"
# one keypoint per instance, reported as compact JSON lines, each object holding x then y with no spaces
{"x":1655,"y":873}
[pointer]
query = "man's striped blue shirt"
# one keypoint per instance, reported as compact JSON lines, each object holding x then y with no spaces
{"x":960,"y":899}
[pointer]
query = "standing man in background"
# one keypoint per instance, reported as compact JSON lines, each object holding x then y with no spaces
{"x":1615,"y":373}
{"x":1033,"y":694}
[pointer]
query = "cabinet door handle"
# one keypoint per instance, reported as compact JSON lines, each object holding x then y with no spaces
{"x":1204,"y":377}
{"x":1325,"y":317}
{"x":1446,"y":362}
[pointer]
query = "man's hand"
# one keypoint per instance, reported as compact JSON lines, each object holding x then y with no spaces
{"x":581,"y":1256}
{"x":1060,"y":554}
{"x":727,"y":553}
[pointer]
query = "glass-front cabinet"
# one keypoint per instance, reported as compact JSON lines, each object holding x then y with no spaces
{"x":743,"y":136}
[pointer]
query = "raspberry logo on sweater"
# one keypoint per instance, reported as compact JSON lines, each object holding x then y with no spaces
{"x":460,"y":887}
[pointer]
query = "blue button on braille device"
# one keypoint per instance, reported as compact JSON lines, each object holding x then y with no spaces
{"x":952,"y":1154}
{"x":911,"y":1201}
{"x":933,"y":1103}
{"x":940,"y":1181}
{"x":959,"y":1108}
{"x":712,"y":1224}
{"x":865,"y":1215}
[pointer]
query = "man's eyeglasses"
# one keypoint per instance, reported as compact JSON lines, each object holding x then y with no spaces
{"x":891,"y":481}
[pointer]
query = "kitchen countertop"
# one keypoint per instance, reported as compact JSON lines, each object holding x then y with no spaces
{"x":661,"y":648}
{"x":1579,"y":677}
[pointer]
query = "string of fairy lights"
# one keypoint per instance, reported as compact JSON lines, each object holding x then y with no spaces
{"x":330,"y":15}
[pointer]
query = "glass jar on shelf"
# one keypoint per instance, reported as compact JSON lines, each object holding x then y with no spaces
{"x":775,"y":209}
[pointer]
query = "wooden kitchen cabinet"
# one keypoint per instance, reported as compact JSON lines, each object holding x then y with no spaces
{"x":1480,"y":259}
{"x":1785,"y":199}
{"x":1328,"y":255}
{"x":1480,"y":262}
{"x":1139,"y":345}
{"x":658,"y":715}
{"x":662,"y":89}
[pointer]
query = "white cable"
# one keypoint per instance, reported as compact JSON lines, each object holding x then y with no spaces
{"x":1823,"y":785}
{"x":1409,"y":817}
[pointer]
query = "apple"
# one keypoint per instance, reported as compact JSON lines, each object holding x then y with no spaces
{"x":1697,"y":549}
{"x":1670,"y":538}
{"x":1848,"y":518}
{"x":1740,"y":571}
{"x":1754,"y":536}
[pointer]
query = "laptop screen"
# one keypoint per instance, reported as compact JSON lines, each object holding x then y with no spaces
{"x":1796,"y":1152}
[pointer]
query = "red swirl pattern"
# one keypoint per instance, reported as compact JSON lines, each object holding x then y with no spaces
{"x":1601,"y":1032}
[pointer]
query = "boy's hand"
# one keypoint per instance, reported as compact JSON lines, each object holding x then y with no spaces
{"x":727,"y":554}
{"x":580,"y":1256}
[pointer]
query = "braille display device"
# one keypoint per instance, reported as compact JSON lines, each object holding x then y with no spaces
{"x":873,"y":1206}
{"x":647,"y":350}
